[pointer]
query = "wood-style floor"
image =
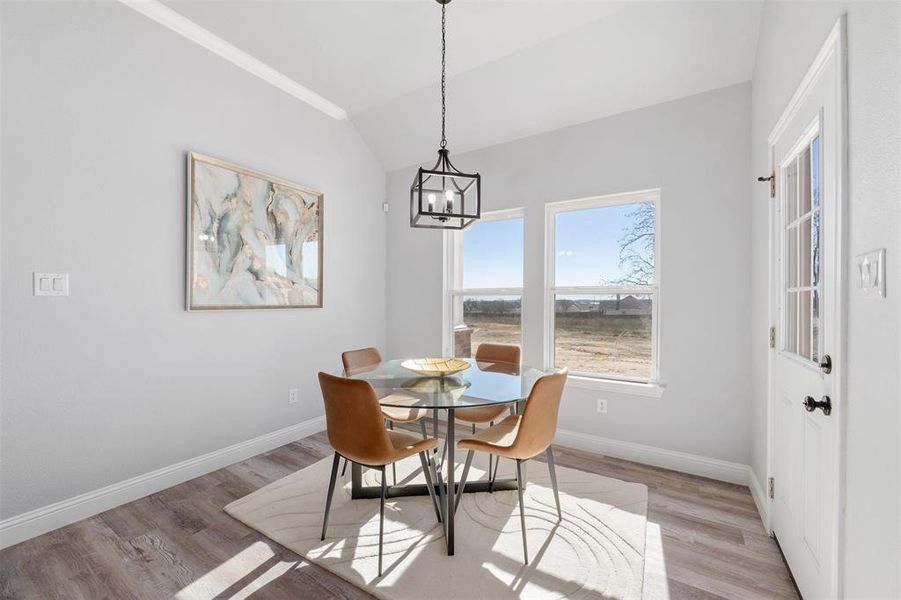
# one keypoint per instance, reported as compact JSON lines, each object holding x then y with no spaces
{"x":705,"y":540}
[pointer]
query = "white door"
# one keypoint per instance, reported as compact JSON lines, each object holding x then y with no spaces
{"x":807,"y":160}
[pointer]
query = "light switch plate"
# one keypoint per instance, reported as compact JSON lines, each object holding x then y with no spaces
{"x":870,"y":274}
{"x":51,"y":284}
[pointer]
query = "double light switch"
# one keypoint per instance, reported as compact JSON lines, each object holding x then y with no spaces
{"x":51,"y":284}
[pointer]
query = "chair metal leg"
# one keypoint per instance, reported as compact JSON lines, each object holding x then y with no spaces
{"x":425,"y":436}
{"x":490,"y":461}
{"x":553,"y":471}
{"x":428,"y":482}
{"x":463,"y":478}
{"x":344,"y":469}
{"x":382,"y":517}
{"x":520,"y":483}
{"x":497,"y":462}
{"x":393,"y":465}
{"x":331,"y":492}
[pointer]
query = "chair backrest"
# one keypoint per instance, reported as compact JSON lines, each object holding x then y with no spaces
{"x":539,"y":417}
{"x":354,"y":421}
{"x":358,"y":359}
{"x":505,"y":353}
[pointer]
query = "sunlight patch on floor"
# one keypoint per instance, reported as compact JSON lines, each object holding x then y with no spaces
{"x":656,"y":586}
{"x":230,"y":572}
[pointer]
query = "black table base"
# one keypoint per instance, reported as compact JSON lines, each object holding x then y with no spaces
{"x":359,"y":491}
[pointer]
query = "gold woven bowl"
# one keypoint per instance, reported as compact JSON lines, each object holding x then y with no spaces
{"x":435,"y":367}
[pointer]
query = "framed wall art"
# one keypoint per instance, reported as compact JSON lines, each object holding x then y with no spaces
{"x":254,"y":241}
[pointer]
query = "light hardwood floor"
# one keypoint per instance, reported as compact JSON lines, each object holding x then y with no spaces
{"x":705,"y":541}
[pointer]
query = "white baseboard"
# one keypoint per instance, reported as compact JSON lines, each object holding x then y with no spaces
{"x":659,"y":457}
{"x":41,"y":520}
{"x":760,"y":498}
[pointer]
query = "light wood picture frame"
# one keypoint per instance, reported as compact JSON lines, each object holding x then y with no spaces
{"x":254,"y":241}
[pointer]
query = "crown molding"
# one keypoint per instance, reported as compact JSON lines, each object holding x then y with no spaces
{"x":162,"y":14}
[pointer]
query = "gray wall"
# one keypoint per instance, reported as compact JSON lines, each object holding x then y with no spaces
{"x":697,"y":151}
{"x":791,"y":34}
{"x":99,"y":106}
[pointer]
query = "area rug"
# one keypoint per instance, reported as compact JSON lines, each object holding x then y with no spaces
{"x":596,"y":551}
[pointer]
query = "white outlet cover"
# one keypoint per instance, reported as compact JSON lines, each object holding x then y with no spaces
{"x":292,"y":396}
{"x":869,"y":274}
{"x":602,"y":406}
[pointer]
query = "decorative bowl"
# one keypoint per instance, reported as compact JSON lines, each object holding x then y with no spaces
{"x":435,"y":367}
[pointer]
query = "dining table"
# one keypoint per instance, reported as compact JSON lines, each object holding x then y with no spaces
{"x":478,"y":385}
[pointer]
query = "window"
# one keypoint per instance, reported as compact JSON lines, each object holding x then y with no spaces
{"x":484,"y":288}
{"x":801,"y":223}
{"x":602,"y":294}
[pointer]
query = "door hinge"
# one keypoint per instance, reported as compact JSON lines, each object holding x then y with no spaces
{"x":772,"y":337}
{"x":771,"y":488}
{"x":772,"y":180}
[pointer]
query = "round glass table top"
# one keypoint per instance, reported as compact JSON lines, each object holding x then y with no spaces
{"x":481,"y":384}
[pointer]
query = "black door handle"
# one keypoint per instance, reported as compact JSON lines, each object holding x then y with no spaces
{"x":825,"y":404}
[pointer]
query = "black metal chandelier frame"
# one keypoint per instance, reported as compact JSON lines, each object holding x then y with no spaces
{"x":439,"y":196}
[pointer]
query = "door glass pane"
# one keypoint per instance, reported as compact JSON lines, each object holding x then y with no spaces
{"x":605,"y":334}
{"x":479,"y":319}
{"x":791,"y":322}
{"x":815,"y":327}
{"x":804,"y":182}
{"x":815,"y":170}
{"x":804,"y":324}
{"x":815,"y":247}
{"x":804,"y":252}
{"x":791,"y":257}
{"x":791,"y":192}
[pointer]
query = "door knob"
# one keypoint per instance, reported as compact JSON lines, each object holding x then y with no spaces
{"x":825,"y":404}
{"x":826,"y":364}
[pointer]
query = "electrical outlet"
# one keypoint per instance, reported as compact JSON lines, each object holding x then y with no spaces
{"x":292,"y":396}
{"x":602,"y":406}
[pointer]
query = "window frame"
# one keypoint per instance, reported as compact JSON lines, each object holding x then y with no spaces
{"x":552,"y":209}
{"x":453,"y":253}
{"x":813,"y":131}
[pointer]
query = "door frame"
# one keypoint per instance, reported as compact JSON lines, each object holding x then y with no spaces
{"x":835,"y":45}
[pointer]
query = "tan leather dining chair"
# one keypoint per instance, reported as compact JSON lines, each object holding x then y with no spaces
{"x":360,"y":360}
{"x":522,"y":437}
{"x":357,"y":432}
{"x":502,"y":358}
{"x":507,"y":355}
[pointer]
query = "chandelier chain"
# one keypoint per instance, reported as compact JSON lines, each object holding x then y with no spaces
{"x":443,"y":74}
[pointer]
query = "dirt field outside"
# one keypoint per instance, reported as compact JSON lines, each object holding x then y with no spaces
{"x":590,"y":343}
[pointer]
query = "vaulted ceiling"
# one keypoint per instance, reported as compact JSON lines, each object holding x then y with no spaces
{"x":515,"y":68}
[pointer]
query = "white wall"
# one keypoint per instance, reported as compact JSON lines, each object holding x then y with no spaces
{"x":694,"y":149}
{"x":99,"y":107}
{"x":790,"y":37}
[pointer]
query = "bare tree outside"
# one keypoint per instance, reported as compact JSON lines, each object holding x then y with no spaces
{"x":636,"y":247}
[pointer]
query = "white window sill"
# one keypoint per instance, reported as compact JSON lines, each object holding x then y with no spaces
{"x":631,"y":388}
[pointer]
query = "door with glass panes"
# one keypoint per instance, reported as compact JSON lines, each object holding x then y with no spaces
{"x":806,"y":156}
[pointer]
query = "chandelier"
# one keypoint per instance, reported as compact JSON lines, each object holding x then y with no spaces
{"x":444,"y":197}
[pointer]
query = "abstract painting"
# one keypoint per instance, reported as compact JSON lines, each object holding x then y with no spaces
{"x":254,"y":241}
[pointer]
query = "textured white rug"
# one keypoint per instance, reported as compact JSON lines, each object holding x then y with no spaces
{"x":597,"y":551}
